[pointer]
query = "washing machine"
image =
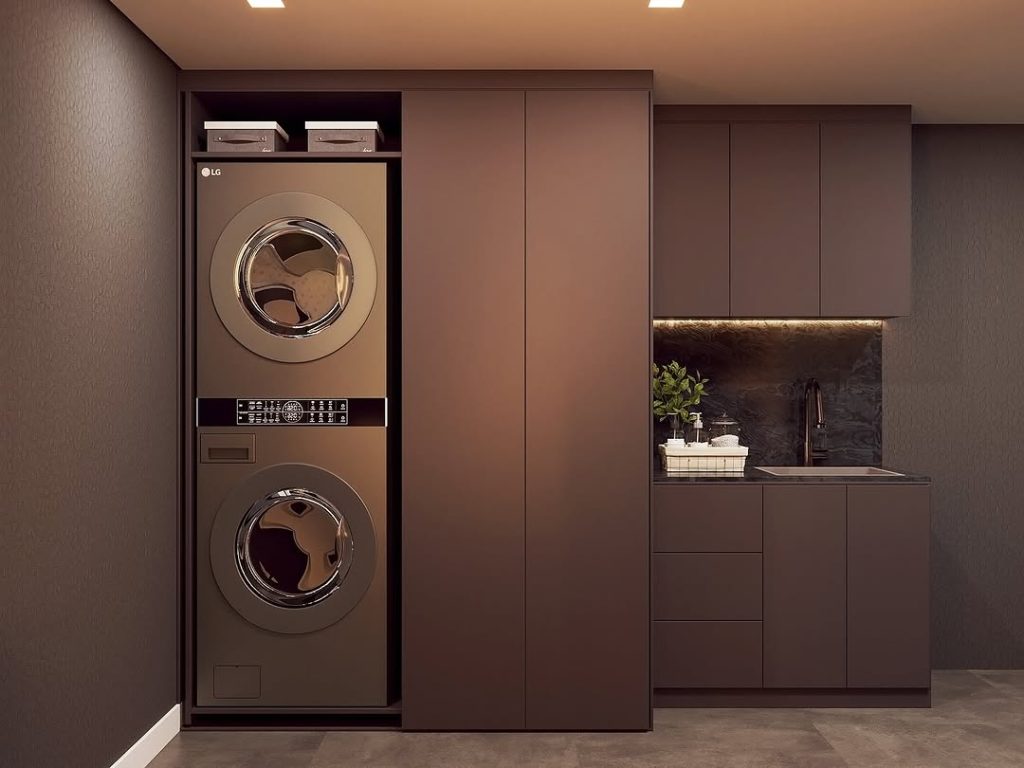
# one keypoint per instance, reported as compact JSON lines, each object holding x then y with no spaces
{"x":291,"y":476}
{"x":291,"y":554}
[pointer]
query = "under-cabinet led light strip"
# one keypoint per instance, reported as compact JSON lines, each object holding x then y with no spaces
{"x":670,"y":322}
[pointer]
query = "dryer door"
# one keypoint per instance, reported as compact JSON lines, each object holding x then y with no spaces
{"x":293,"y":277}
{"x":293,"y":548}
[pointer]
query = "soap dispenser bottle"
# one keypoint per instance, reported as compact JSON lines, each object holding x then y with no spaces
{"x":699,"y":436}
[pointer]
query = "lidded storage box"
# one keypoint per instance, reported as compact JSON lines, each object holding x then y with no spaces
{"x":343,"y":136}
{"x":244,"y":136}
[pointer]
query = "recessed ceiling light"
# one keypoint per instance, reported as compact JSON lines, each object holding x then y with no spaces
{"x":665,"y":4}
{"x":272,"y":3}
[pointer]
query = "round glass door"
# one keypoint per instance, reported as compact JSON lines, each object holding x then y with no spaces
{"x":295,"y":277}
{"x":294,"y":548}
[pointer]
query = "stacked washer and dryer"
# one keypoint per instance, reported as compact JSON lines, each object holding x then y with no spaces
{"x":291,"y":580}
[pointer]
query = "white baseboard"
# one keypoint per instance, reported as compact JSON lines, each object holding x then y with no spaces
{"x":142,"y":752}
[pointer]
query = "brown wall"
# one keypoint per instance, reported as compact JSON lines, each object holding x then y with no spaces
{"x":952,"y":377}
{"x":88,"y":374}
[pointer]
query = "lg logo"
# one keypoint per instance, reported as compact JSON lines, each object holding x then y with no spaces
{"x":208,"y":172}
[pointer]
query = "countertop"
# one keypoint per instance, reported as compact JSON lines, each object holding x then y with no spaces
{"x":752,"y":475}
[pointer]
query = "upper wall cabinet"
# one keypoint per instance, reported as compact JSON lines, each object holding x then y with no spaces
{"x":774,"y":220}
{"x":865,"y":219}
{"x":691,"y":219}
{"x":782,"y":211}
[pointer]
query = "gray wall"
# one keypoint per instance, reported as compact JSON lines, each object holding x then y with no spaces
{"x":88,"y":371}
{"x":954,"y":382}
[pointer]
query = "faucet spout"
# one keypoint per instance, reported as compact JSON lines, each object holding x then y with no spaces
{"x":812,"y":394}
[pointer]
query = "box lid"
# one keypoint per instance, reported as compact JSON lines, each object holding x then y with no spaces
{"x":245,"y":125}
{"x":343,"y":125}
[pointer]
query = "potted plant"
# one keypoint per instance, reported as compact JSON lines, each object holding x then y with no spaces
{"x":675,"y":392}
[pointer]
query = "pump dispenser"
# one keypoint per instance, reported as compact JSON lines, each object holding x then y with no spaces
{"x":699,"y":436}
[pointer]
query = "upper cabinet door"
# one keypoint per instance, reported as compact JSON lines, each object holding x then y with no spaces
{"x":774,"y":191}
{"x":463,"y":414}
{"x":691,"y":220}
{"x":888,"y":544}
{"x":865,"y":219}
{"x":587,"y":410}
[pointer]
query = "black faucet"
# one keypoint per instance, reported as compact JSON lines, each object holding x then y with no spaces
{"x":814,"y":455}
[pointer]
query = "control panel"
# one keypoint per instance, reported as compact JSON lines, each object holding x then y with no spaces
{"x":291,"y":412}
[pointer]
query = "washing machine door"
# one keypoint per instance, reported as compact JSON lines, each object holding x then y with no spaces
{"x":293,"y":277}
{"x":293,"y":548}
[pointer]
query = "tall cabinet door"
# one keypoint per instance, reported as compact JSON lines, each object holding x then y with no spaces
{"x":804,"y":586}
{"x":774,"y":193}
{"x":888,"y":545}
{"x":587,"y":410}
{"x":463,"y":414}
{"x":691,"y":220}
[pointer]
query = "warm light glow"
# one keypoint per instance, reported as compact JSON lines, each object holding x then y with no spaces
{"x":266,"y":3}
{"x":665,"y":4}
{"x":669,"y":323}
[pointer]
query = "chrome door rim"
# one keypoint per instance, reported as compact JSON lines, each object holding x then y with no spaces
{"x":250,"y":572}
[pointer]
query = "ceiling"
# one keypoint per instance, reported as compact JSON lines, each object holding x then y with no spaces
{"x":953,"y":60}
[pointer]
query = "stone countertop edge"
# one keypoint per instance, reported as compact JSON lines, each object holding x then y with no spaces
{"x":751,"y":475}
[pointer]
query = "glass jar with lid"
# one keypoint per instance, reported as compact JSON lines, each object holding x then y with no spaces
{"x":724,"y":431}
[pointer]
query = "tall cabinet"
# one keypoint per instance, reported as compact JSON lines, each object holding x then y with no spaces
{"x":526,"y":346}
{"x":464,"y":409}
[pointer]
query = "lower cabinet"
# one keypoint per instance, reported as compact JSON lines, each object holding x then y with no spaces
{"x":706,"y":654}
{"x":888,"y":538}
{"x":805,"y":586}
{"x":837,"y":600}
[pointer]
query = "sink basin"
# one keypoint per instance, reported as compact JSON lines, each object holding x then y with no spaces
{"x":829,"y":472}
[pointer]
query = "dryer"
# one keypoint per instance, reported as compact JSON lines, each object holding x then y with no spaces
{"x":291,"y":279}
{"x":291,"y":523}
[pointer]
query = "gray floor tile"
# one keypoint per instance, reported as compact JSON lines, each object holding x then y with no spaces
{"x":976,"y":721}
{"x":239,"y":749}
{"x":451,"y":750}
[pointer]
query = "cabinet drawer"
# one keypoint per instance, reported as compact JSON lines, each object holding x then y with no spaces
{"x":706,"y":654}
{"x":707,"y":518}
{"x":707,"y":587}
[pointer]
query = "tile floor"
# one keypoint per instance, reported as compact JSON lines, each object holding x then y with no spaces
{"x":976,"y":721}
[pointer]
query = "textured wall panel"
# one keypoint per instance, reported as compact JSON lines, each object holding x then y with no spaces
{"x":89,"y":384}
{"x":953,"y":380}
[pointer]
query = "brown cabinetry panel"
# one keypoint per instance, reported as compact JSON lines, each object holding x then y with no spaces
{"x":805,"y":586}
{"x":706,"y":587}
{"x":706,"y":654}
{"x":463,"y":523}
{"x":587,"y":410}
{"x":691,"y":220}
{"x":774,"y":220}
{"x":706,"y":518}
{"x":865,"y":219}
{"x":888,"y":593}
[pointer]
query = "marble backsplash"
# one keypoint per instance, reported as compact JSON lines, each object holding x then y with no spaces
{"x":757,"y":372}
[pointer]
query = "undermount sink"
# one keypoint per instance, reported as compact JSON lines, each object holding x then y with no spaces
{"x":829,"y":472}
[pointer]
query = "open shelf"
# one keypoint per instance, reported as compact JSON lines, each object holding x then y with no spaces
{"x":298,"y":156}
{"x":291,"y":109}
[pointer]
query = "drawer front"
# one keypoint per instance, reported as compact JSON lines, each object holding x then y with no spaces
{"x":706,"y":587}
{"x":707,"y":518}
{"x":706,"y":654}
